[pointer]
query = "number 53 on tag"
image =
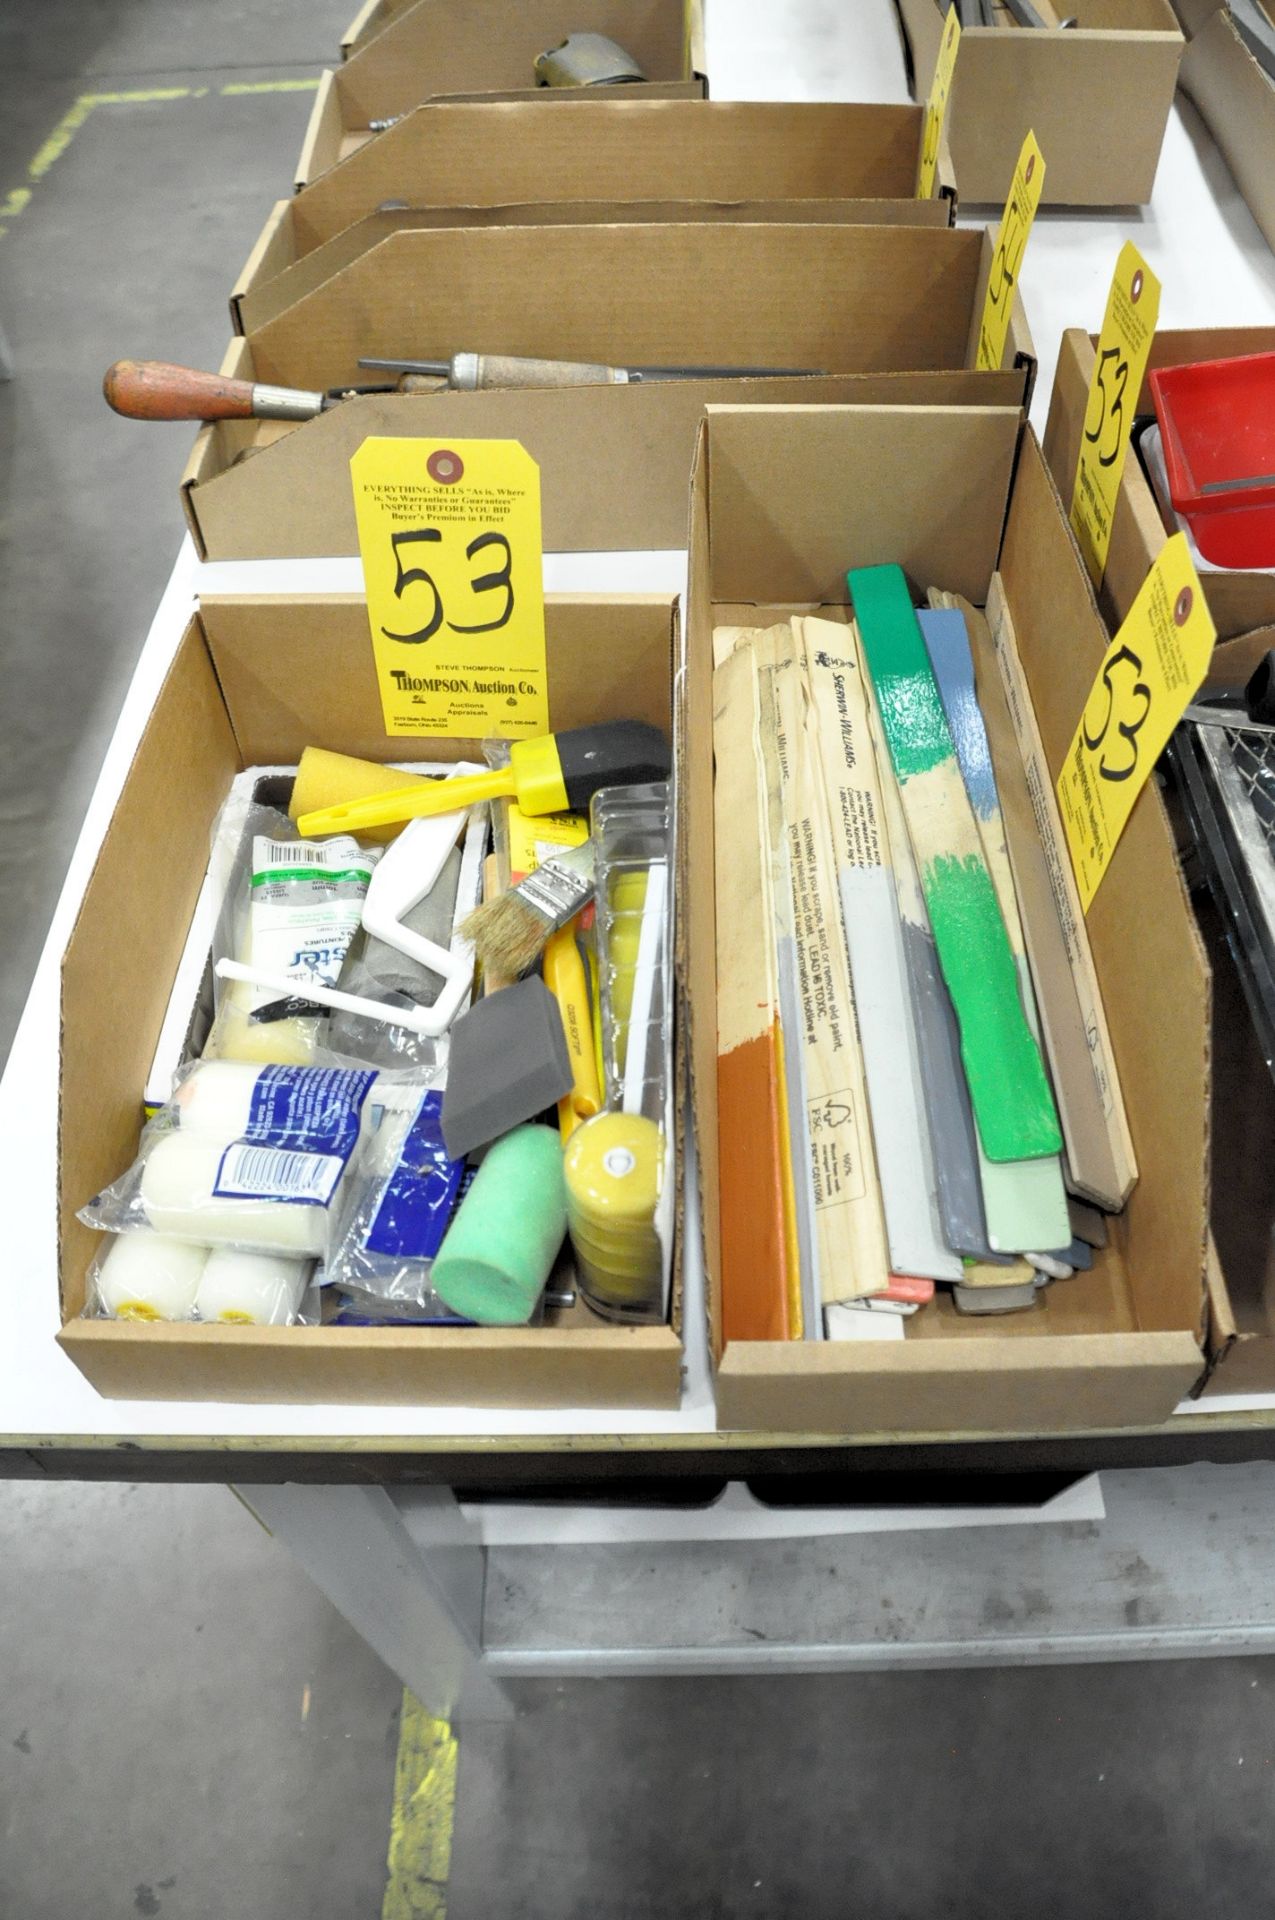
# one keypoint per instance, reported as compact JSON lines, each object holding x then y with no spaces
{"x":449,"y":532}
{"x":1149,"y":674}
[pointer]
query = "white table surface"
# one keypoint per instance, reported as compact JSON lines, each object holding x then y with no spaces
{"x":1216,"y":269}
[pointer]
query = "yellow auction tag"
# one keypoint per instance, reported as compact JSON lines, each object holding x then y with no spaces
{"x":1124,"y":346}
{"x":1149,"y":675}
{"x":1007,"y":255}
{"x":936,"y":106}
{"x":449,"y":532}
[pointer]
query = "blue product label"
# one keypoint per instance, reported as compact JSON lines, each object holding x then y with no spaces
{"x":419,"y":1196}
{"x":315,"y":1109}
{"x":303,"y":1124}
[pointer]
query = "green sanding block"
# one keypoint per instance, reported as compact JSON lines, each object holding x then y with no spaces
{"x":1009,"y":1090}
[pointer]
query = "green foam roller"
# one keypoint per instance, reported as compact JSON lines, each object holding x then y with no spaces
{"x":500,"y":1248}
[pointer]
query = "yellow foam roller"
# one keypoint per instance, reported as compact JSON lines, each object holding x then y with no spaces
{"x":329,"y":779}
{"x":613,"y":1168}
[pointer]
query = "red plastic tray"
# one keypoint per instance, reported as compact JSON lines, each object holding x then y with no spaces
{"x":1217,"y":423}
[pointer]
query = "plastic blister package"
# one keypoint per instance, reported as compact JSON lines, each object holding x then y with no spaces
{"x":290,"y":910}
{"x":398,"y":1207}
{"x":619,"y":1165}
{"x":247,"y":1157}
{"x":152,"y":1277}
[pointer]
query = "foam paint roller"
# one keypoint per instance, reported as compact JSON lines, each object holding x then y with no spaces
{"x":147,"y":1276}
{"x":556,"y":773}
{"x":331,"y":779}
{"x":500,"y":1248}
{"x":177,"y":1197}
{"x":613,"y":1171}
{"x":251,"y":1289}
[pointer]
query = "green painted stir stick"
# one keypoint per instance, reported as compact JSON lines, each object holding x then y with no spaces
{"x":1013,"y":1106}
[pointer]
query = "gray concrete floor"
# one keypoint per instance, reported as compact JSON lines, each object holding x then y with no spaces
{"x":187,"y":1729}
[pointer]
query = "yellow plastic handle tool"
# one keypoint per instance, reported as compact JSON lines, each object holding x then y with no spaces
{"x":398,"y":804}
{"x":566,"y":981}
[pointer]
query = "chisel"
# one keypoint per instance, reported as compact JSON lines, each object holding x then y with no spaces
{"x":478,"y":372}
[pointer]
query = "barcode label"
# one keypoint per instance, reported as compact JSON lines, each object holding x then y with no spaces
{"x":315,"y":856}
{"x":286,"y":853}
{"x":250,"y":1172}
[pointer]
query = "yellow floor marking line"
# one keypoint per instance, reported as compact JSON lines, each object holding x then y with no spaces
{"x":420,"y":1851}
{"x":75,"y":116}
{"x":270,"y":86}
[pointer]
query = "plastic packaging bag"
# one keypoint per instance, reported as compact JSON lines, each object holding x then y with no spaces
{"x":291,"y":908}
{"x":398,"y":1207}
{"x":151,"y":1276}
{"x":248,"y":1157}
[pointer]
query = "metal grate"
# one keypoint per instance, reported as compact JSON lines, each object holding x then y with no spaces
{"x":1253,"y":754}
{"x":1228,"y":779}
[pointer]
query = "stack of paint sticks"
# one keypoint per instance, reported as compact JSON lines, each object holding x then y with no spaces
{"x":916,"y":1089}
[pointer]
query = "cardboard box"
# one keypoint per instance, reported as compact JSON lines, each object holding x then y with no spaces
{"x":1236,"y":97}
{"x":887,"y":312}
{"x":508,"y":163}
{"x":481,"y":49}
{"x":368,"y":21}
{"x":253,"y":682}
{"x":1239,"y":602}
{"x":784,"y":500}
{"x":1097,"y":96}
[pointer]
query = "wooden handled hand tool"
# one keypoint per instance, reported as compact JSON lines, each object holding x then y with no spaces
{"x":154,"y":390}
{"x":481,"y":372}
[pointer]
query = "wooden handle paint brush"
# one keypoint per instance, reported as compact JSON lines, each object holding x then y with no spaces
{"x":509,"y":933}
{"x":556,"y":773}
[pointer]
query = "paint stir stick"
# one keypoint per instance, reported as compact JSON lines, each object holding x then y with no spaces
{"x":1025,"y":1200}
{"x":1013,"y":1107}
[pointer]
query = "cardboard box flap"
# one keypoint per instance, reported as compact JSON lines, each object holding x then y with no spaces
{"x":1237,"y":98}
{"x":453,"y":46}
{"x":843,"y":299}
{"x":1238,"y":601}
{"x":121,"y":956}
{"x":315,"y":684}
{"x":451,"y":154}
{"x":1147,"y":951}
{"x":323,"y":131}
{"x":1030,"y":1385}
{"x":369,"y":20}
{"x":293,"y":496}
{"x":1097,"y":97}
{"x":770,"y":548}
{"x":265,"y":290}
{"x":273,"y":252}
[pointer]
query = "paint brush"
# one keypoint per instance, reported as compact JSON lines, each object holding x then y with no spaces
{"x":509,"y":933}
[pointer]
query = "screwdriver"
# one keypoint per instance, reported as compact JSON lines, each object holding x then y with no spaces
{"x":481,"y":372}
